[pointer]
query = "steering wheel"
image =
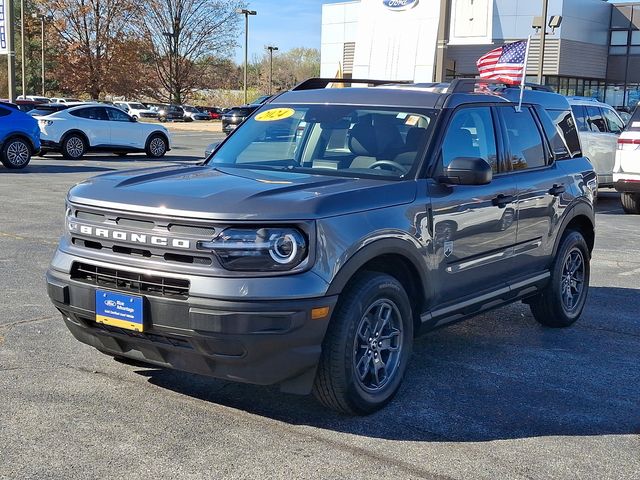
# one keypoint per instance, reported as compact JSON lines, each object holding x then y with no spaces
{"x":389,"y":163}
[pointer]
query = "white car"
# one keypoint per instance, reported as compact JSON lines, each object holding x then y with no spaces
{"x":64,"y":100}
{"x":34,"y":98}
{"x":136,"y":110}
{"x":599,"y":126}
{"x":95,"y":127}
{"x":626,"y":172}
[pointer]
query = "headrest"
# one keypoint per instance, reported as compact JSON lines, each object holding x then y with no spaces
{"x":414,"y":136}
{"x":362,"y":140}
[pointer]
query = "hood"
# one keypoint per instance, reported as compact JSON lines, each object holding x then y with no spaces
{"x":238,"y":194}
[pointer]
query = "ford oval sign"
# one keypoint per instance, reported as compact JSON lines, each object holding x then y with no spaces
{"x":399,"y":5}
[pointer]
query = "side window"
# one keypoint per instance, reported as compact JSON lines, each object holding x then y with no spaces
{"x":525,"y":142}
{"x":596,"y":120}
{"x":90,"y":113}
{"x":613,"y":121}
{"x":116,"y":115}
{"x":555,"y":135}
{"x":581,"y":117}
{"x":471,"y":134}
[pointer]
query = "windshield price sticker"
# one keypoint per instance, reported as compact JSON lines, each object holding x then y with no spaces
{"x":275,"y":114}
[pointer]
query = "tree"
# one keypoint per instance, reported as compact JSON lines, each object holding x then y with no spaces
{"x":93,"y":36}
{"x":180,"y":33}
{"x":289,"y":68}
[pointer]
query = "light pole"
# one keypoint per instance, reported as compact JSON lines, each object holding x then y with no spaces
{"x":271,"y":50}
{"x":43,"y":18}
{"x":440,"y":73}
{"x":22,"y":54}
{"x":543,"y":38}
{"x":246,"y":13}
{"x":11,"y":56}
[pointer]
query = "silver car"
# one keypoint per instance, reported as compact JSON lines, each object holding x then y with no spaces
{"x":599,"y":127}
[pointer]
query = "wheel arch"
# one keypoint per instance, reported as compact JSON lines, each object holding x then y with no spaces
{"x":160,"y":133}
{"x":394,"y":257}
{"x":21,"y":135}
{"x":582,"y":219}
{"x":75,"y":131}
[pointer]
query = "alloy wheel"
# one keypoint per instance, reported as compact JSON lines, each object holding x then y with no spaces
{"x":572,"y":284}
{"x":18,"y":153}
{"x":157,"y":147}
{"x":377,"y":346}
{"x":75,"y":147}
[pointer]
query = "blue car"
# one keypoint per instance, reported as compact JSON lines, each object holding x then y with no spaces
{"x":19,"y":137}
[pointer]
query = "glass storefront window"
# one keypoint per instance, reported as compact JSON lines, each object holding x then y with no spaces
{"x":635,"y":36}
{"x":617,"y":50}
{"x":636,"y":17}
{"x":619,"y":37}
{"x":580,"y":88}
{"x":634,"y":50}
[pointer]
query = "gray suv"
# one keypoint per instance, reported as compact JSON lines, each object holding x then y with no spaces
{"x":328,"y":231}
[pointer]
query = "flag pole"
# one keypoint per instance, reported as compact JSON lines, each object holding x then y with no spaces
{"x":524,"y":74}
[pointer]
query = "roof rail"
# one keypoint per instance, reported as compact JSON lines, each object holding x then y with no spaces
{"x":469,"y":85}
{"x":318,"y":83}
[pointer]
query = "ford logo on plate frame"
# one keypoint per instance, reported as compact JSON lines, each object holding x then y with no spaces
{"x":400,"y":5}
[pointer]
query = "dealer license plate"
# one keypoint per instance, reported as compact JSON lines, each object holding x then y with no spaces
{"x":120,"y":310}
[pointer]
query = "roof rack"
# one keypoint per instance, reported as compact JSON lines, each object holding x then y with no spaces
{"x":319,"y":83}
{"x":470,"y":85}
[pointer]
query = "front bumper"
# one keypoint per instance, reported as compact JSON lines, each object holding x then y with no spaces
{"x":262,"y":342}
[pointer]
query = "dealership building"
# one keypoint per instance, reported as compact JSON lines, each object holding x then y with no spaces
{"x":595,"y":51}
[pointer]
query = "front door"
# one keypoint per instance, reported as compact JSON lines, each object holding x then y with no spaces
{"x":474,"y":226}
{"x":124,"y":131}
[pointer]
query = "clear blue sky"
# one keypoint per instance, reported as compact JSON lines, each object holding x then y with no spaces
{"x":284,"y":23}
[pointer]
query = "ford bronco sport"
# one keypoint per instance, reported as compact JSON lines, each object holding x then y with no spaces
{"x":326,"y":232}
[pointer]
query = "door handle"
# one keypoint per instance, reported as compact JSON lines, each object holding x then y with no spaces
{"x":502,"y":201}
{"x":557,"y":190}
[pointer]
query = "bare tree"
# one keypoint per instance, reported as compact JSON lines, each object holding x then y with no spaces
{"x":181,"y":33}
{"x":92,"y":34}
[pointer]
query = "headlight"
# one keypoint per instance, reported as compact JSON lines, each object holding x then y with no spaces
{"x":262,"y":250}
{"x":45,"y":123}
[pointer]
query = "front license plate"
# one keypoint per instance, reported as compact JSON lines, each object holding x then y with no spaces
{"x":119,"y":310}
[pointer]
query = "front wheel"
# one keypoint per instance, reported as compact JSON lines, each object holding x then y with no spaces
{"x":561,"y":302}
{"x":16,"y":153}
{"x":631,"y":203}
{"x":367,"y":346}
{"x":156,"y":146}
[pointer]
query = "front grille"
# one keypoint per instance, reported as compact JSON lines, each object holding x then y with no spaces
{"x":130,"y":281}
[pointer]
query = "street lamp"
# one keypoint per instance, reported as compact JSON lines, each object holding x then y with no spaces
{"x":271,"y":50}
{"x":246,"y":13}
{"x":24,"y":80}
{"x":43,"y":19}
{"x":540,"y":23}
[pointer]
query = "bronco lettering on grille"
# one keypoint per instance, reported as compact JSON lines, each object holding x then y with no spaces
{"x":143,"y":239}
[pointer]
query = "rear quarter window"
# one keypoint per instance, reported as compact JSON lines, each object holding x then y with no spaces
{"x":565,"y":123}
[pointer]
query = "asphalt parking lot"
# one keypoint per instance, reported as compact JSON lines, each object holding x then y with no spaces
{"x":497,"y":397}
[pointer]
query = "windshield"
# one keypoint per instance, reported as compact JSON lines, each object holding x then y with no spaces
{"x":329,"y":139}
{"x":43,"y":110}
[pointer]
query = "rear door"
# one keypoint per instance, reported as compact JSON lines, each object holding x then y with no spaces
{"x":540,"y":185}
{"x":474,"y":229}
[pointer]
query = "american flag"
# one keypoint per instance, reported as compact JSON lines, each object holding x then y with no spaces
{"x":505,"y":63}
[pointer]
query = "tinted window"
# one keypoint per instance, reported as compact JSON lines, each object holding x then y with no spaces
{"x":116,"y":115}
{"x":614,"y":123}
{"x":524,"y":140}
{"x":596,"y":120}
{"x":581,"y":117}
{"x":4,"y":112}
{"x":91,"y":113}
{"x":471,"y":134}
{"x":564,"y":121}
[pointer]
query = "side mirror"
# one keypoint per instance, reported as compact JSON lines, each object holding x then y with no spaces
{"x":468,"y":171}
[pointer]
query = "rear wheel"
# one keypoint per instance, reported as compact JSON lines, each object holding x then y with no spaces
{"x":16,"y":153}
{"x":367,"y":346}
{"x":156,"y":146}
{"x":561,"y":302}
{"x":74,"y":147}
{"x":631,"y":203}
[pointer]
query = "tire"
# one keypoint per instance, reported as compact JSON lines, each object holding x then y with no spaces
{"x":16,"y":153}
{"x":551,"y":307}
{"x":340,"y":383}
{"x":74,"y":147}
{"x":162,"y":119}
{"x":135,"y":117}
{"x":157,"y":146}
{"x":631,"y":203}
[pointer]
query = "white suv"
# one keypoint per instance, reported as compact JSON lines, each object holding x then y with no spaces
{"x":626,"y":172}
{"x":136,"y":109}
{"x":599,"y":126}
